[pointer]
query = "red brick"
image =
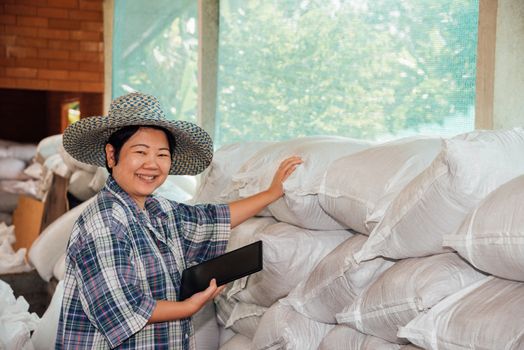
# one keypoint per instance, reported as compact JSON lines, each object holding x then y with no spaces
{"x":22,"y":52}
{"x":2,"y":71}
{"x":71,"y":45}
{"x":70,"y":4}
{"x":8,"y":19}
{"x":31,"y":21}
{"x":91,"y":5}
{"x":85,"y":76}
{"x":86,"y":15}
{"x":31,"y":62}
{"x":7,"y":39}
{"x":30,"y":42}
{"x":62,"y":85}
{"x":52,"y":74}
{"x":7,"y":62}
{"x":32,"y":84}
{"x":29,"y":2}
{"x":49,"y":12}
{"x":53,"y":34}
{"x":85,"y":56}
{"x":82,"y":35}
{"x":93,"y":67}
{"x":92,"y":46}
{"x":7,"y":82}
{"x":67,"y":65}
{"x":21,"y":31}
{"x":53,"y":54}
{"x":92,"y":87}
{"x":21,"y":10}
{"x":92,"y":26}
{"x":56,"y":23}
{"x":20,"y":72}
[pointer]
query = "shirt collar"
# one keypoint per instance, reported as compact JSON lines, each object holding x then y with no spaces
{"x":151,"y":204}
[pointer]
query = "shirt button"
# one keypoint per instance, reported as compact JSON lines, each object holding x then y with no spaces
{"x":186,"y":335}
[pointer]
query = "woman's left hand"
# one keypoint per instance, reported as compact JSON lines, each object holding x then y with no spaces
{"x":286,"y":168}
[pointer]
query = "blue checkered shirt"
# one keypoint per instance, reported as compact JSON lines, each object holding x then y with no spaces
{"x":120,"y":260}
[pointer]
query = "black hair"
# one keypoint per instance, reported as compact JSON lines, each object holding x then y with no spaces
{"x":121,"y":136}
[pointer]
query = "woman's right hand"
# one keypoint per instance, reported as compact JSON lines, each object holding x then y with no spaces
{"x":198,"y":300}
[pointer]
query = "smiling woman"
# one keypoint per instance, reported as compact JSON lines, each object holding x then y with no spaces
{"x":128,"y":248}
{"x":141,"y":164}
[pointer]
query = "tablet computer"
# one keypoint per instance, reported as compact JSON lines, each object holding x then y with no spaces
{"x":224,"y":269}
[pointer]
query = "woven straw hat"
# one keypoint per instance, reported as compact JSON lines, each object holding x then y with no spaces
{"x":85,"y":140}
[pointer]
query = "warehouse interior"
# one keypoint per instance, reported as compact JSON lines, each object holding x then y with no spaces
{"x":358,"y":218}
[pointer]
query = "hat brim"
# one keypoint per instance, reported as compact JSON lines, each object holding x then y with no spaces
{"x":85,"y":141}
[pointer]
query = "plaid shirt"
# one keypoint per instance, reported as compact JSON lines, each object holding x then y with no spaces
{"x":120,"y":260}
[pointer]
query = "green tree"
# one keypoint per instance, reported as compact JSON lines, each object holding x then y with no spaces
{"x":352,"y":68}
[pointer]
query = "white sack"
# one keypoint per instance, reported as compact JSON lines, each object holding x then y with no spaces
{"x":11,"y":261}
{"x":282,"y":327}
{"x":51,"y":244}
{"x":226,"y":162}
{"x":56,"y":164}
{"x":300,"y":204}
{"x":186,"y":182}
{"x":16,"y":322}
{"x":436,"y":202}
{"x":11,"y":168}
{"x":177,"y":188}
{"x":492,"y":236}
{"x":44,"y":336}
{"x":79,"y":185}
{"x":99,"y":179}
{"x":27,"y":187}
{"x":487,"y":315}
{"x":290,"y":253}
{"x":224,"y":335}
{"x":405,"y":290}
{"x":59,"y":268}
{"x":23,"y":151}
{"x":345,"y":338}
{"x":34,"y":170}
{"x":74,"y":164}
{"x":8,"y":202}
{"x":245,"y":318}
{"x":357,"y":189}
{"x":237,"y":316}
{"x":335,"y":282}
{"x":49,"y":146}
{"x":7,"y":233}
{"x":244,"y":233}
{"x":206,"y":328}
{"x":237,"y":342}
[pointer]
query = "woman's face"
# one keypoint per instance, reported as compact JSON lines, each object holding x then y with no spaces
{"x":143,"y":164}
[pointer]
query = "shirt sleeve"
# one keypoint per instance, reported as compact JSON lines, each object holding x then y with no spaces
{"x":109,"y":287}
{"x":205,"y":231}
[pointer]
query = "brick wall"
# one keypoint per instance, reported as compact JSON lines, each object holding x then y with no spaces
{"x":54,"y":45}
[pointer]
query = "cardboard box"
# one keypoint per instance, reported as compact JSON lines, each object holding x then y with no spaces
{"x":32,"y":216}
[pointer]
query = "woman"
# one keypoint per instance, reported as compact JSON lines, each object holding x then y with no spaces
{"x":128,"y":248}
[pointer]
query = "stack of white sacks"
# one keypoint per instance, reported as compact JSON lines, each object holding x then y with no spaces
{"x":14,"y":158}
{"x":416,"y":243}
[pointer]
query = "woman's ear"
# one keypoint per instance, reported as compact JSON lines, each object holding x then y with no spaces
{"x":110,"y":155}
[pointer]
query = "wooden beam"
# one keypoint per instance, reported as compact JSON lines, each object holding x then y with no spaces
{"x":486,"y":44}
{"x":208,"y":18}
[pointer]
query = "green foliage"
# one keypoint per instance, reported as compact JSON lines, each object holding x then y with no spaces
{"x":353,"y":68}
{"x":161,"y":57}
